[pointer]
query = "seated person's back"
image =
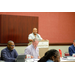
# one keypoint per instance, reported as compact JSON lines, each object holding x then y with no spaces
{"x":51,"y":56}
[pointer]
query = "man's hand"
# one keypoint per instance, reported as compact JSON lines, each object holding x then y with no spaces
{"x":32,"y":57}
{"x":38,"y":57}
{"x":30,"y":40}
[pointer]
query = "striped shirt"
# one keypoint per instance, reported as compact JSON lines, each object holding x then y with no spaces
{"x":30,"y":50}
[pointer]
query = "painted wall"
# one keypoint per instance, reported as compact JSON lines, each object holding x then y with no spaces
{"x":57,"y":27}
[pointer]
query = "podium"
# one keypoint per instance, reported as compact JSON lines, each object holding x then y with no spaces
{"x":43,"y":47}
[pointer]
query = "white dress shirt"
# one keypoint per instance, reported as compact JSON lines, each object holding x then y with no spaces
{"x":32,"y":36}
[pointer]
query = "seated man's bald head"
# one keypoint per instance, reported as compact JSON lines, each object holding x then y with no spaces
{"x":10,"y":45}
{"x":10,"y":42}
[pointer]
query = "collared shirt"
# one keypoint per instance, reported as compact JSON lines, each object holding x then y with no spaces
{"x":30,"y":50}
{"x":8,"y":55}
{"x":32,"y":36}
{"x":49,"y":60}
{"x":71,"y":50}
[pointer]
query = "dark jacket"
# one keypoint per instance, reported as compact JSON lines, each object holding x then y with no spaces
{"x":8,"y":56}
{"x":71,"y":50}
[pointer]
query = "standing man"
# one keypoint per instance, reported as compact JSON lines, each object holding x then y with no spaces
{"x":33,"y":49}
{"x":9,"y":54}
{"x":34,"y":35}
{"x":72,"y":48}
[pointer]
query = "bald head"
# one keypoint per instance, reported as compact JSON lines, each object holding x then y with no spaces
{"x":34,"y":31}
{"x":10,"y":42}
{"x":34,"y":28}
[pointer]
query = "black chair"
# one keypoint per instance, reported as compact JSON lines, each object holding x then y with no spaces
{"x":0,"y":56}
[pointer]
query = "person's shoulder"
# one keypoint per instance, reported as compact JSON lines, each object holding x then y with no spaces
{"x":71,"y":46}
{"x":14,"y":49}
{"x":31,"y":34}
{"x":4,"y":49}
{"x":38,"y":34}
{"x":29,"y":47}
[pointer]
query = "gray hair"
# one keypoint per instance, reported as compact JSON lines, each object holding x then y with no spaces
{"x":35,"y":40}
{"x":9,"y":41}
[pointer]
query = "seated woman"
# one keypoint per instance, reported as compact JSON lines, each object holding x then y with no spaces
{"x":51,"y":56}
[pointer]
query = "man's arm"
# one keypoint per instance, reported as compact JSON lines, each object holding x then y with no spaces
{"x":38,"y":54}
{"x":30,"y":38}
{"x":16,"y":54}
{"x":70,"y":51}
{"x":40,"y":37}
{"x":6,"y":58}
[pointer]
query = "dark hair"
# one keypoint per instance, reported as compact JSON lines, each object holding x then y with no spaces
{"x":48,"y":55}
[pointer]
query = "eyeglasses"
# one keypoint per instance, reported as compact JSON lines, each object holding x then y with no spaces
{"x":12,"y":45}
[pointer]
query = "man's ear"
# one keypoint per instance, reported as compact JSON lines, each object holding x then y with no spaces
{"x":7,"y":45}
{"x":52,"y":57}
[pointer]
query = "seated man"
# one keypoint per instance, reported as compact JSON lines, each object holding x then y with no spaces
{"x":9,"y":54}
{"x":33,"y":50}
{"x":72,"y":48}
{"x":34,"y":35}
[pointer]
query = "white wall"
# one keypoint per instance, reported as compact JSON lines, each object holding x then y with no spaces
{"x":63,"y":48}
{"x":20,"y":49}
